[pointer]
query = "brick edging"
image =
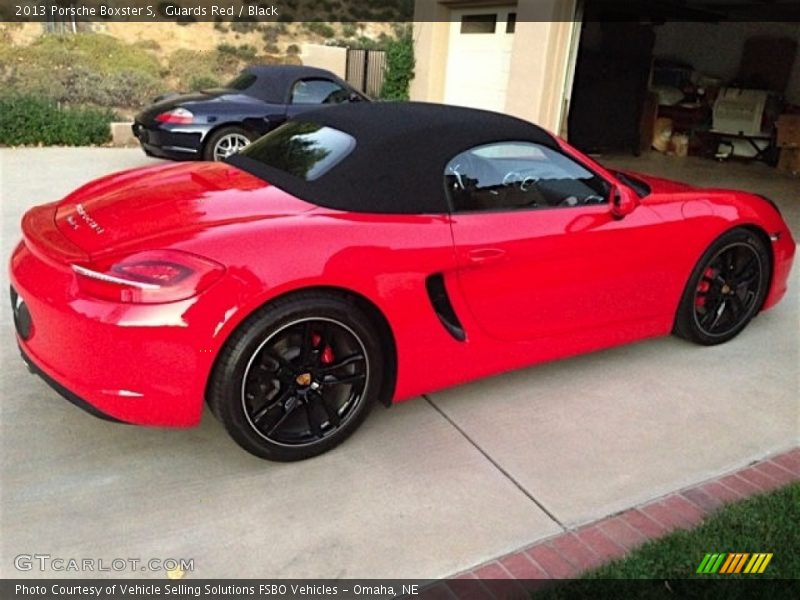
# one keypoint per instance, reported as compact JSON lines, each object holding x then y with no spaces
{"x":569,"y":554}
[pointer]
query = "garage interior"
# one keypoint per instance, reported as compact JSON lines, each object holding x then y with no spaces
{"x":710,"y":79}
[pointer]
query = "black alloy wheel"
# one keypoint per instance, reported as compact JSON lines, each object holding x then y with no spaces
{"x":305,"y":381}
{"x":298,"y":376}
{"x":726,"y":290}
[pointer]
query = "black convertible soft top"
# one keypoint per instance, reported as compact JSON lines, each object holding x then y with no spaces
{"x":401,"y":152}
{"x":274,"y":83}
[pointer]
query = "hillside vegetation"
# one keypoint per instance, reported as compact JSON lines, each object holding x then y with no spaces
{"x":83,"y":79}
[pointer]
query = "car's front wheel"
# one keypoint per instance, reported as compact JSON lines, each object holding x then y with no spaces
{"x":726,"y":289}
{"x":298,"y":377}
{"x":226,"y":141}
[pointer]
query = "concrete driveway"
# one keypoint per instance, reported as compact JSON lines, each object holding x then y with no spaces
{"x":425,"y":489}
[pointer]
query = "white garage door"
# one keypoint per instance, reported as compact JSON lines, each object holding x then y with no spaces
{"x":479,"y":57}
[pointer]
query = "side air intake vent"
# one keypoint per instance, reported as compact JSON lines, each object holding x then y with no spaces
{"x":442,"y":306}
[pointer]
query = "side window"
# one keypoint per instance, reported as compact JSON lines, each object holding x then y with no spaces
{"x":519,"y":175}
{"x":318,"y":91}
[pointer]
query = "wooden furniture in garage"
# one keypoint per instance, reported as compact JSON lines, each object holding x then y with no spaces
{"x":789,"y":143}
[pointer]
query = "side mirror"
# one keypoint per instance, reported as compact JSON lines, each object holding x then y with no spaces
{"x":355,"y":97}
{"x":623,"y":201}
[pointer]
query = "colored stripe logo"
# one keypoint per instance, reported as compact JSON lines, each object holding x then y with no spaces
{"x":728,"y":563}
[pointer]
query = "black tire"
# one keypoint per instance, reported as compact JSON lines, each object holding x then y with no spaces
{"x":280,"y":385}
{"x":212,"y":149}
{"x":726,"y":289}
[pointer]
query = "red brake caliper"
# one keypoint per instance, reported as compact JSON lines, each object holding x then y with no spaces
{"x":327,"y":356}
{"x":704,"y":286}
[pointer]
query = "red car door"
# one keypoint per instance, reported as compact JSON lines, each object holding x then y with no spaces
{"x":540,"y":252}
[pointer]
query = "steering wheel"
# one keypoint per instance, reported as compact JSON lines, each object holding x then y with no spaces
{"x":526,"y":182}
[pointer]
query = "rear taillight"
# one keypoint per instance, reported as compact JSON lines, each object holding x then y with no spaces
{"x":179,"y":116}
{"x":148,"y":277}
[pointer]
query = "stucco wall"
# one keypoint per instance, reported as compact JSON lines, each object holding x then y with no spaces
{"x":539,"y":61}
{"x":332,"y":58}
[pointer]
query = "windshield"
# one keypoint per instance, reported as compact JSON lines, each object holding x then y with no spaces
{"x":305,"y":150}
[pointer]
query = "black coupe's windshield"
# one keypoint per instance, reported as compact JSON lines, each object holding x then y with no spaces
{"x":305,"y":150}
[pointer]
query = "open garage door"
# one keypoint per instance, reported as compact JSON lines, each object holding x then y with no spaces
{"x":479,"y":57}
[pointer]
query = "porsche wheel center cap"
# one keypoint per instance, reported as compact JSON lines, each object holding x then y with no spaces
{"x":304,"y":379}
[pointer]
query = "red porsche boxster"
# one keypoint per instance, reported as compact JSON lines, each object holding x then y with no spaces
{"x":370,"y":253}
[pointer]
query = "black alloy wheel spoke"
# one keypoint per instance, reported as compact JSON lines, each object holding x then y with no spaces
{"x":747,"y":281}
{"x":728,"y":262}
{"x":747,"y":268}
{"x":280,"y":421}
{"x":271,"y":404}
{"x":718,"y":313}
{"x":738,"y":306}
{"x":711,"y":309}
{"x":333,"y":380}
{"x":314,"y":426}
{"x":306,"y":344}
{"x":333,"y":414}
{"x":325,"y":335}
{"x":349,"y":360}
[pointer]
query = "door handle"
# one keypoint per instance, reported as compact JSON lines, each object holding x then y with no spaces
{"x":485,"y":255}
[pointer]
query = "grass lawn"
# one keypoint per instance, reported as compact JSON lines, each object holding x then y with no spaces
{"x":765,"y":523}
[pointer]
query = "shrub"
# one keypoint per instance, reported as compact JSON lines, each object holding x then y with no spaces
{"x":321,"y":29}
{"x":123,"y":88}
{"x":244,"y":52}
{"x":26,"y":119}
{"x":148,"y":45}
{"x":203,"y":82}
{"x":270,"y":34}
{"x":190,"y":68}
{"x":84,"y":68}
{"x":367,"y":43}
{"x":244,"y":25}
{"x":100,"y":52}
{"x":399,"y":69}
{"x":293,"y":50}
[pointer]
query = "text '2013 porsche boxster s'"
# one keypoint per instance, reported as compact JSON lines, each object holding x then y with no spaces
{"x":368,"y":253}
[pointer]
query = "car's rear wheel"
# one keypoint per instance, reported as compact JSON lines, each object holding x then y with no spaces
{"x":298,"y":377}
{"x":226,"y":141}
{"x":726,"y":289}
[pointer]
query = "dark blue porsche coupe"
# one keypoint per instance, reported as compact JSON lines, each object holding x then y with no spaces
{"x":213,"y":124}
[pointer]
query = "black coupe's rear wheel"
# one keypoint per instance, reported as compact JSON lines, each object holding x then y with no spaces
{"x":726,"y":289}
{"x":298,"y":377}
{"x":225,"y":142}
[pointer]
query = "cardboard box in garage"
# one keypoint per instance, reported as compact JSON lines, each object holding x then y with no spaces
{"x":789,"y":161}
{"x":789,"y":131}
